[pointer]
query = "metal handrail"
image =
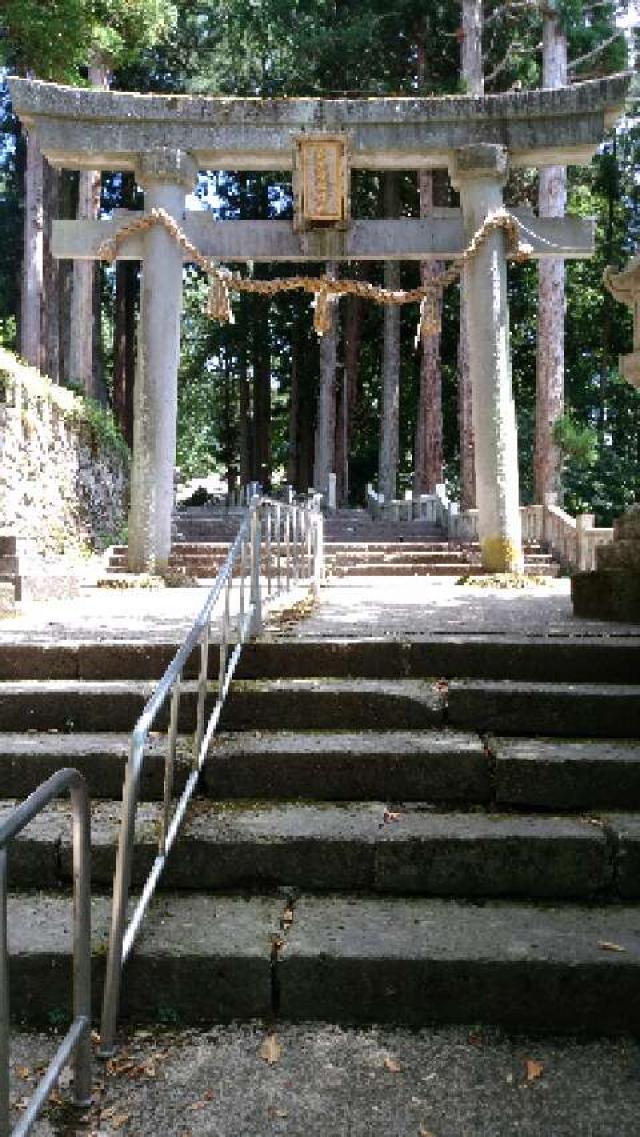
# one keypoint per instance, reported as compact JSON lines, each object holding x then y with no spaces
{"x":77,"y":1040}
{"x":296,"y":530}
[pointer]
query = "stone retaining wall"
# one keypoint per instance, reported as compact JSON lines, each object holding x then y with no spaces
{"x":64,"y":472}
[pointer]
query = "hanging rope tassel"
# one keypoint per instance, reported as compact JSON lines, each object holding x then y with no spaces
{"x":429,"y":321}
{"x":218,"y":302}
{"x":322,"y":315}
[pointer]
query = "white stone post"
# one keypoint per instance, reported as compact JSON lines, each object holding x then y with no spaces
{"x":332,"y":496}
{"x":166,"y":175}
{"x":479,"y":173}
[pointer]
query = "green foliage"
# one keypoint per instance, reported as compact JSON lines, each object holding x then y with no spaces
{"x":56,"y":39}
{"x":577,"y":444}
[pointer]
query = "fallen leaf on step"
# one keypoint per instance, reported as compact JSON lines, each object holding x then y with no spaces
{"x":388,"y":816}
{"x":23,"y":1072}
{"x":202,"y":1102}
{"x":119,"y":1120}
{"x":606,"y":945}
{"x":533,"y":1069}
{"x":287,"y":918}
{"x":391,"y":1064}
{"x":422,"y":1132}
{"x":270,"y":1050}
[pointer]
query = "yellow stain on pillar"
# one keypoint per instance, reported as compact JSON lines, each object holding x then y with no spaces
{"x":501,"y":555}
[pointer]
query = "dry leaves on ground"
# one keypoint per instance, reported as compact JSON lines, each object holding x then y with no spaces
{"x":392,"y":1065}
{"x":533,"y":1069}
{"x":203,"y":1102}
{"x":271,"y":1050}
{"x":606,"y":945}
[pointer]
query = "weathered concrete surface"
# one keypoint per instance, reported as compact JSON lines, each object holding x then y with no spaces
{"x":359,"y":845}
{"x":566,"y":709}
{"x":199,"y":958}
{"x":507,"y":656}
{"x":268,"y":704}
{"x":351,"y":608}
{"x":451,"y":1082}
{"x":565,"y":774}
{"x":27,"y":759}
{"x":414,"y":961}
{"x":7,"y":598}
{"x":625,"y":828}
{"x":613,"y":594}
{"x":108,"y":129}
{"x":440,"y":237}
{"x":326,"y":704}
{"x":433,"y":765}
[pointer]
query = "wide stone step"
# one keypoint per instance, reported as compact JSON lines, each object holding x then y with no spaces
{"x":358,"y":846}
{"x":449,"y":568}
{"x":525,"y":658}
{"x":603,"y":710}
{"x":435,"y":766}
{"x":417,"y":961}
{"x":564,"y":774}
{"x":289,"y":704}
{"x":207,"y":958}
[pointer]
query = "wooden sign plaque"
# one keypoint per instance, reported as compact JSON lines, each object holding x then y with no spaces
{"x":321,"y":182}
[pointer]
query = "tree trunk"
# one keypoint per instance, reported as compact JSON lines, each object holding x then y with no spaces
{"x":261,"y":391}
{"x":33,"y":265}
{"x":428,"y":438}
{"x":354,"y":313}
{"x":50,"y":316}
{"x":390,"y":425}
{"x":473,"y":83}
{"x":124,"y":330}
{"x":85,"y":311}
{"x":325,"y":457}
{"x":246,"y":426}
{"x":124,"y":345}
{"x":65,"y":277}
{"x":552,"y":196}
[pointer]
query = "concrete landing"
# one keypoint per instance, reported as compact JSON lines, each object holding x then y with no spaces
{"x":358,"y":607}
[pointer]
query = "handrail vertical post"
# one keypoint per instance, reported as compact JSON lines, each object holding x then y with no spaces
{"x":202,"y":692}
{"x":267,"y":555}
{"x":81,"y":819}
{"x":4,"y":1000}
{"x":121,"y":883}
{"x":278,"y":546}
{"x":256,"y":601}
{"x":169,"y":765}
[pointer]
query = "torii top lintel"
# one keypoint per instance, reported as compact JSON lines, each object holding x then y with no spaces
{"x":90,"y":129}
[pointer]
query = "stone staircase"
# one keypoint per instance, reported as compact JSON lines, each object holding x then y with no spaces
{"x":386,"y":831}
{"x":355,"y":545}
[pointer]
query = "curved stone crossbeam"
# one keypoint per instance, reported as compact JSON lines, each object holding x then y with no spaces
{"x":86,"y":129}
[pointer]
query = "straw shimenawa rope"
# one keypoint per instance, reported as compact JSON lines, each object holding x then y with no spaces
{"x":325,"y":289}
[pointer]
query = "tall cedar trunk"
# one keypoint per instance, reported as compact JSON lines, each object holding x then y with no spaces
{"x":228,"y":431}
{"x":85,"y":306}
{"x":124,"y":330}
{"x":325,"y":457}
{"x":261,"y":360}
{"x":473,"y":83}
{"x":552,"y":197}
{"x":390,"y":424}
{"x":428,"y":438}
{"x":294,"y":408}
{"x":51,"y":296}
{"x":124,"y":345}
{"x":354,"y":312}
{"x":246,"y":426}
{"x":33,"y":264}
{"x":67,"y":209}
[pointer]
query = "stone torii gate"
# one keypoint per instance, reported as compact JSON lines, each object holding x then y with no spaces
{"x":165,"y":140}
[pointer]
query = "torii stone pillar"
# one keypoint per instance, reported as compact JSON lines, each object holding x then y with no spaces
{"x":479,"y":173}
{"x":166,"y":176}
